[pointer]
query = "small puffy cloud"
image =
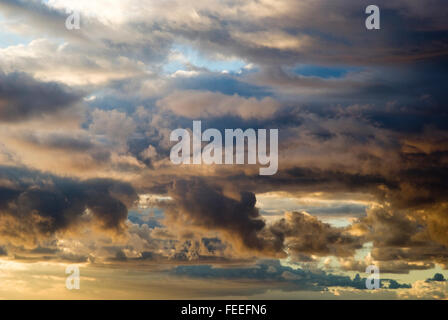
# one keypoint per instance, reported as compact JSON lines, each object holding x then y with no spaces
{"x":199,"y":104}
{"x":208,"y":208}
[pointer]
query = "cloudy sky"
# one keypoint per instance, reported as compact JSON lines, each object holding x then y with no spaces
{"x":85,"y":174}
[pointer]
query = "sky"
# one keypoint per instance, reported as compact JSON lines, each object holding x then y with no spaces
{"x":86,"y":178}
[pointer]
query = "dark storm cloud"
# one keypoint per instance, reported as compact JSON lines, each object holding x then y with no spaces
{"x":35,"y":205}
{"x":305,"y":179}
{"x":304,"y":234}
{"x":205,"y":206}
{"x":406,"y":239}
{"x":22,"y":97}
{"x":208,"y":208}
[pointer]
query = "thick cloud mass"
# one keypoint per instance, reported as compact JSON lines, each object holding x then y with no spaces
{"x":22,"y":97}
{"x":305,"y":234}
{"x":205,"y":207}
{"x":86,"y":116}
{"x":34,"y":206}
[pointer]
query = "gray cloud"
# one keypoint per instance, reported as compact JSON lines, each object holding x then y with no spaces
{"x":35,"y":205}
{"x":22,"y":97}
